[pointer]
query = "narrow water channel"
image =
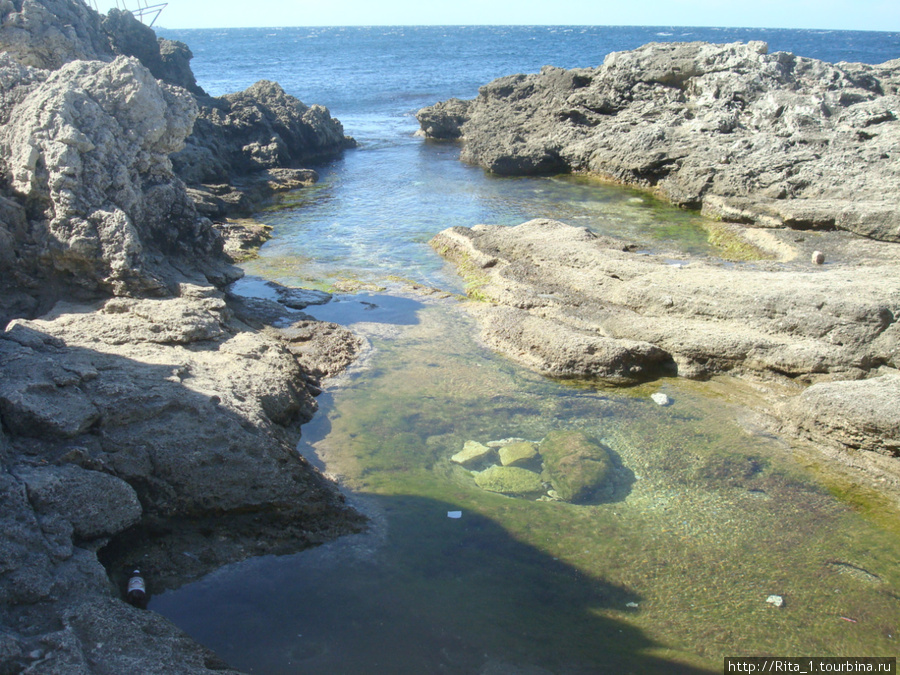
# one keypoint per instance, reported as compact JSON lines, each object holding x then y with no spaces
{"x":669,"y":573}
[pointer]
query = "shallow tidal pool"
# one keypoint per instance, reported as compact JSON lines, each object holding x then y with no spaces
{"x":670,"y":574}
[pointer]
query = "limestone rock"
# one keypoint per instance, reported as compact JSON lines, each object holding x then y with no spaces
{"x":660,"y":399}
{"x":518,"y":454}
{"x":257,"y":129}
{"x":473,"y":454}
{"x":96,"y":504}
{"x":774,"y":139}
{"x":87,"y":148}
{"x":577,"y":466}
{"x":510,"y":480}
{"x":852,"y":414}
{"x":565,"y":302}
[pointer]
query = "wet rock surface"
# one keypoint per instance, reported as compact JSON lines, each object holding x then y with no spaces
{"x":751,"y":137}
{"x":568,"y":466}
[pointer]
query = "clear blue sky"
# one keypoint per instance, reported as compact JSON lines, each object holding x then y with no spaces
{"x":822,"y":14}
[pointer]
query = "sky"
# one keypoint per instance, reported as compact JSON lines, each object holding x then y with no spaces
{"x":883,"y":15}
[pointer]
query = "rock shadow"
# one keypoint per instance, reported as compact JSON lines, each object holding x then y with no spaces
{"x":436,"y":595}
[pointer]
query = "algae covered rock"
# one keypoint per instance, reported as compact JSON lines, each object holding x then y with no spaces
{"x":510,"y":480}
{"x":472,"y":454}
{"x":518,"y":454}
{"x":577,"y":466}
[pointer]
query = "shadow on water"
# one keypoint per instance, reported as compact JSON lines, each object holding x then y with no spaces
{"x":462,"y":596}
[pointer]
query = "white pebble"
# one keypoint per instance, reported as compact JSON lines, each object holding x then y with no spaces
{"x":661,"y":399}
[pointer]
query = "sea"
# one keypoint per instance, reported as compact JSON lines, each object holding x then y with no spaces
{"x":712,"y":516}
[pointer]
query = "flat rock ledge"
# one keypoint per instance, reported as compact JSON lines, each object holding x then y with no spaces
{"x":748,"y":136}
{"x":567,"y":303}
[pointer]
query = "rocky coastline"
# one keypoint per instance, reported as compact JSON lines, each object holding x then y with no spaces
{"x":768,"y":144}
{"x":148,"y":416}
{"x":773,"y":140}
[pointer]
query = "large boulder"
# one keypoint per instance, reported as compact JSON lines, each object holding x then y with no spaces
{"x":749,"y":136}
{"x":578,"y":467}
{"x":95,"y":208}
{"x":259,"y":128}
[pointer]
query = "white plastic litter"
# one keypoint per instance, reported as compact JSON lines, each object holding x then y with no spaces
{"x":454,"y":514}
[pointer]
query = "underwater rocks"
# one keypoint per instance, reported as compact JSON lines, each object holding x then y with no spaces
{"x":567,"y":466}
{"x":751,"y":137}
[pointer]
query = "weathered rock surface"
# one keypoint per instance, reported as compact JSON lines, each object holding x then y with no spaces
{"x":858,"y":415}
{"x":579,"y":293}
{"x":93,"y":206}
{"x":751,"y":137}
{"x":811,"y":323}
{"x":254,"y":130}
{"x":143,"y":415}
{"x":155,"y":412}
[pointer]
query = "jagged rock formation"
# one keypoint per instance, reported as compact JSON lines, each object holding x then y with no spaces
{"x":253,"y":131}
{"x":141,"y":408}
{"x":93,"y":205}
{"x":751,"y":137}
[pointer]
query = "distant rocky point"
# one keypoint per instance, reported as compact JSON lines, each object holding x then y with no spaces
{"x":748,"y":136}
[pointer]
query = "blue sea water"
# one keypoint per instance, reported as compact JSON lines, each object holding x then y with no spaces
{"x":374,"y":209}
{"x":430,"y":601}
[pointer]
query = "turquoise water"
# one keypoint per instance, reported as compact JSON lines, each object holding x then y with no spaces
{"x":710,"y":515}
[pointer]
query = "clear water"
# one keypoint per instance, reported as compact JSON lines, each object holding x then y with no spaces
{"x":670,"y":575}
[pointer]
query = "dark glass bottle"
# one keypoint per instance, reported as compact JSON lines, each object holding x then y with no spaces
{"x":137,"y":590}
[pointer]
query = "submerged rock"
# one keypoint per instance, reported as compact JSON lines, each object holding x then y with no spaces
{"x":510,"y":480}
{"x":660,"y":399}
{"x":473,"y":454}
{"x":518,"y":454}
{"x":578,"y":467}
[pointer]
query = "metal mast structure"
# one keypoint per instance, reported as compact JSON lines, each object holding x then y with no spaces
{"x":141,"y":9}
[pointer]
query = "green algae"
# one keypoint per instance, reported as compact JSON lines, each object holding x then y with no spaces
{"x":714,"y":520}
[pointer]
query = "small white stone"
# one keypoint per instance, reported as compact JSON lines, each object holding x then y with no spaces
{"x":775,"y":600}
{"x":660,"y":399}
{"x":818,"y":258}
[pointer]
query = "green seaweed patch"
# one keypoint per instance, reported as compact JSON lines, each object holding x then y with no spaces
{"x":730,"y":244}
{"x":475,"y":280}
